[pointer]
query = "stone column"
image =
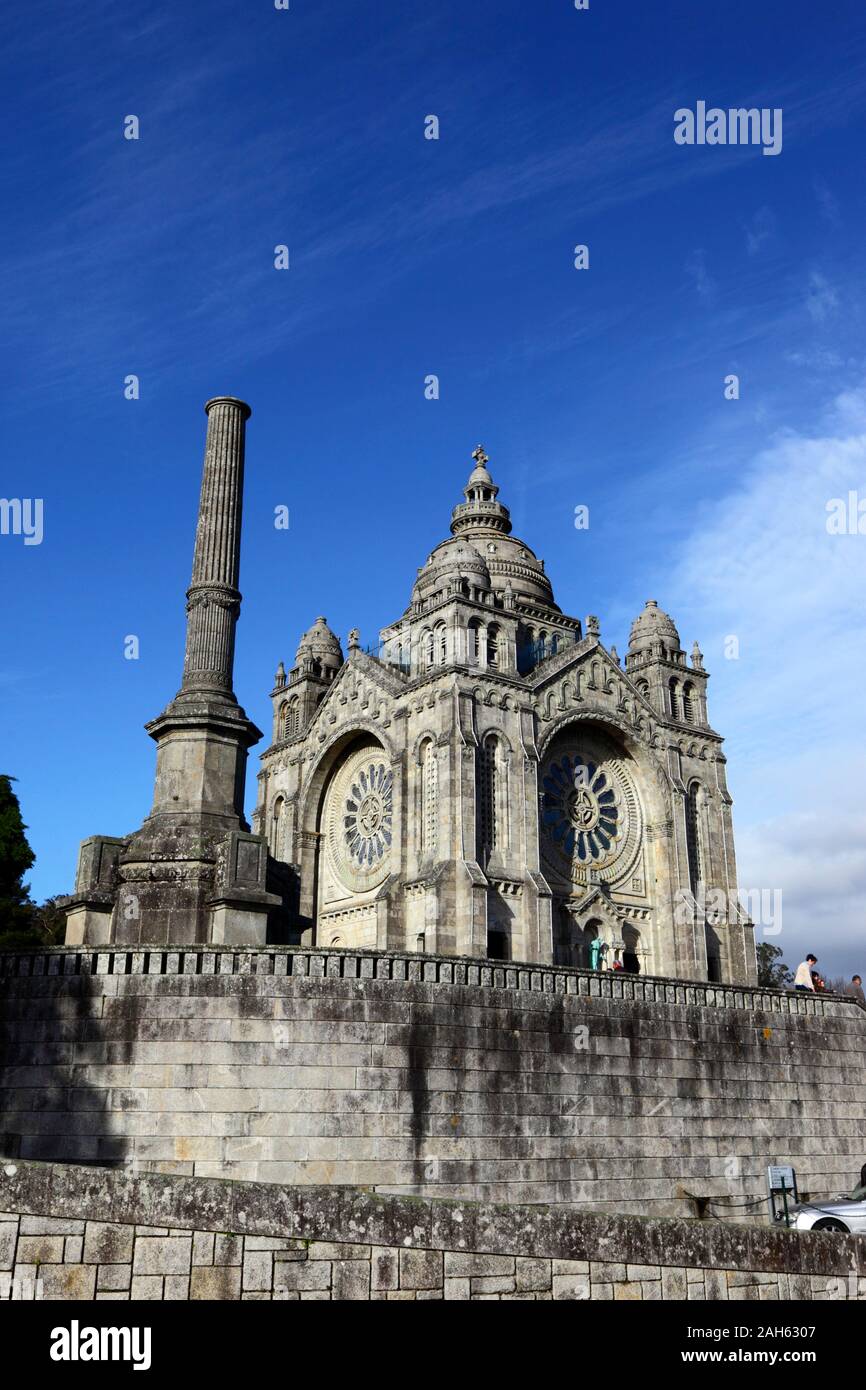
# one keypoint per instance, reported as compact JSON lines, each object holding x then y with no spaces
{"x":193,"y":872}
{"x":213,"y":598}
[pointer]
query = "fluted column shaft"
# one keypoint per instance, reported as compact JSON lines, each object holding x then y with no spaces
{"x":213,"y":598}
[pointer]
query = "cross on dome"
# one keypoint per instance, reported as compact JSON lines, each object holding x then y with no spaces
{"x":480,"y":457}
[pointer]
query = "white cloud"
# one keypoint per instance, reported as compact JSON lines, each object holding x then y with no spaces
{"x":761,"y":565}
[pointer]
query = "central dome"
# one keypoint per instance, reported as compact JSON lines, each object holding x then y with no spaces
{"x":452,"y":561}
{"x":514,"y":566}
{"x":481,"y":527}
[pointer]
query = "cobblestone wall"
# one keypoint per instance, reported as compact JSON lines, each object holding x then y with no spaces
{"x":434,"y":1076}
{"x":391,"y":1248}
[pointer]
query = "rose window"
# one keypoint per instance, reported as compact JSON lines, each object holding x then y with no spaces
{"x":580,"y":809}
{"x":367,"y":815}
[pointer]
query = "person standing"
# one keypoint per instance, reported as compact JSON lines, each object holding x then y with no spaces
{"x":803,"y":978}
{"x":855,"y":990}
{"x":859,"y":1192}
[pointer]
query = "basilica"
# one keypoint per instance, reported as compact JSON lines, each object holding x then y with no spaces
{"x":492,"y":780}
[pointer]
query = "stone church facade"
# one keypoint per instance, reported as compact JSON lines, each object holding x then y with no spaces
{"x":494,"y":781}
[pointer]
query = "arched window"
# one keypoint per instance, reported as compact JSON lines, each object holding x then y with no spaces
{"x":631,"y":945}
{"x":689,"y":704}
{"x":441,"y":643}
{"x":542,"y":645}
{"x":693,"y":838}
{"x":674,"y":688}
{"x":427,"y":647}
{"x":281,"y":719}
{"x":493,"y":645}
{"x":474,"y":640}
{"x":292,"y":717}
{"x":488,"y":789}
{"x":497,"y":944}
{"x":428,"y":796}
{"x":274,"y":839}
{"x":714,"y":956}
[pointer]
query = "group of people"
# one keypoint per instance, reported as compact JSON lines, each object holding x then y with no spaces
{"x":605,"y":957}
{"x":808,"y":978}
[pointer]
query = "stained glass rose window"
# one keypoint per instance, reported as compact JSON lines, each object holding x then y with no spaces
{"x":367,"y":814}
{"x":580,"y":809}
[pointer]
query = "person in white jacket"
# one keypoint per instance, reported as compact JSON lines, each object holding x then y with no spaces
{"x":803,"y":978}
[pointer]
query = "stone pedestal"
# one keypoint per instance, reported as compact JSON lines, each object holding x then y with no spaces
{"x":90,"y":908}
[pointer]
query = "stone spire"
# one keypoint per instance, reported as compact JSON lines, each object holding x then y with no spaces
{"x":213,"y":598}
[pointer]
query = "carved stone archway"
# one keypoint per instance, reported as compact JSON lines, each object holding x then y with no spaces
{"x":608,"y":829}
{"x":355,"y":847}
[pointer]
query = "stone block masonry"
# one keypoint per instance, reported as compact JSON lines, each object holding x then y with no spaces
{"x":95,"y":1235}
{"x":432,"y":1076}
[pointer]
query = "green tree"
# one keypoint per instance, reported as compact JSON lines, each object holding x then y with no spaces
{"x":23,"y":925}
{"x":773,"y":973}
{"x":16,"y":857}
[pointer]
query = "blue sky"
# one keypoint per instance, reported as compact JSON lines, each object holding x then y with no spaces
{"x":454,"y":257}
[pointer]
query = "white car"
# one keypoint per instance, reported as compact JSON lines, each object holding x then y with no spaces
{"x":840,"y":1214}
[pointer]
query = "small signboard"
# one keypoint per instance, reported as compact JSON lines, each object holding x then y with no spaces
{"x":782,"y":1190}
{"x":781,"y":1176}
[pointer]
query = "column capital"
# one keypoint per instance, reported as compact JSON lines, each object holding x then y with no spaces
{"x":245,"y":409}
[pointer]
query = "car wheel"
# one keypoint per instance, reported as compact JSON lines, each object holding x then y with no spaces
{"x":829,"y":1224}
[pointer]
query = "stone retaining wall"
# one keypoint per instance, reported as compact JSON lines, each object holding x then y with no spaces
{"x":86,"y":1234}
{"x":446,"y":1077}
{"x":339,"y":963}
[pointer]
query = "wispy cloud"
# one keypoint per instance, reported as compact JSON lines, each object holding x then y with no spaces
{"x":760,"y":230}
{"x":188,"y":216}
{"x":828,"y":204}
{"x":696,"y":270}
{"x":821,"y":297}
{"x":760,"y":565}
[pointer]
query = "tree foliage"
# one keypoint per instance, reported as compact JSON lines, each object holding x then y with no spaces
{"x":23,"y":925}
{"x":16,"y":857}
{"x":773,"y":973}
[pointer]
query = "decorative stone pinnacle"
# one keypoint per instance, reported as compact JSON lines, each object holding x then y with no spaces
{"x":354,"y":639}
{"x":480,"y":456}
